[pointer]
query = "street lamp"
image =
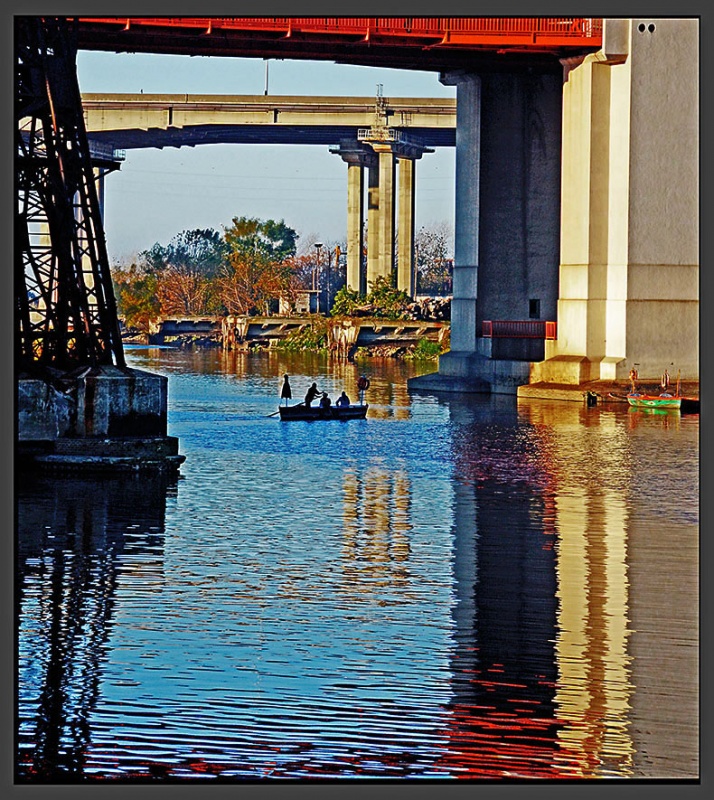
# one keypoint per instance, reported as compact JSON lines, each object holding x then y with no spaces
{"x":318,"y":247}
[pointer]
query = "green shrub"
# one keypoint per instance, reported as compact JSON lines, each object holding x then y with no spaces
{"x":346,"y":300}
{"x":425,"y":349}
{"x":390,"y":303}
{"x":313,"y":337}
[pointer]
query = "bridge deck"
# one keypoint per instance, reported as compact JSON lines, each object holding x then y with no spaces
{"x":425,"y":43}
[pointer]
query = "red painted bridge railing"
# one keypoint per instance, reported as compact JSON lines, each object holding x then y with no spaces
{"x":519,"y":329}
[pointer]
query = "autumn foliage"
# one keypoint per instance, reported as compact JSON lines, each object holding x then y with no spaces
{"x":202,"y":272}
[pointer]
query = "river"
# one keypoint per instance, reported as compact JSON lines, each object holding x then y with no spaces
{"x":459,"y":586}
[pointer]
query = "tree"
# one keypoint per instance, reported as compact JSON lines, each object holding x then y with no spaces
{"x":260,"y":266}
{"x":433,"y":262}
{"x":136,"y":292}
{"x":250,"y":236}
{"x":185,"y":271}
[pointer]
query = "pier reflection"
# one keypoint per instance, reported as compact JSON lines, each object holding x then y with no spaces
{"x":376,"y":525}
{"x":502,"y":719}
{"x":75,"y":538}
{"x":563,"y":497}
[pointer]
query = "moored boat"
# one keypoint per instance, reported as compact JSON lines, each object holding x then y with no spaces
{"x":307,"y":413}
{"x":639,"y":400}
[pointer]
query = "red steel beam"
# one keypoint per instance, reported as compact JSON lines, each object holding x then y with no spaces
{"x":402,"y":40}
{"x":531,"y":32}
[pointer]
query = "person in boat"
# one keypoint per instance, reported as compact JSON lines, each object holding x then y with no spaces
{"x":633,"y":380}
{"x":311,"y":394}
{"x":362,"y":384}
{"x":325,"y":402}
{"x":286,"y":392}
{"x":343,"y":401}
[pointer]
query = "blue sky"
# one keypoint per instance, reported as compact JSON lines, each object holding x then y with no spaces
{"x":159,"y":193}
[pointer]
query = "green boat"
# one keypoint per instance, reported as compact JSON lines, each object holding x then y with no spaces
{"x":639,"y":400}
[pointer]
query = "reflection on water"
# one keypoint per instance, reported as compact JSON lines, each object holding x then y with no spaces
{"x":458,"y":586}
{"x":73,"y":537}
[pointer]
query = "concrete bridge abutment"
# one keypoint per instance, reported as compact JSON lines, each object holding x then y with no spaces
{"x":103,"y":419}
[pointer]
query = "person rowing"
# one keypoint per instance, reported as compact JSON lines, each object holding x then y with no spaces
{"x":311,"y":394}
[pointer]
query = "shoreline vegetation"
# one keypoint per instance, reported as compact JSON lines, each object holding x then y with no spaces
{"x":306,"y":333}
{"x":252,"y":275}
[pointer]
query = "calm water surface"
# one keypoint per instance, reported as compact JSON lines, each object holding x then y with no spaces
{"x":459,"y":586}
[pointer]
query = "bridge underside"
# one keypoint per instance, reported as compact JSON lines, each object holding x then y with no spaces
{"x":419,"y":43}
{"x":191,"y":136}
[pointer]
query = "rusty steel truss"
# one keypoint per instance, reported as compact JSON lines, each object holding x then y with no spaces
{"x":64,"y":301}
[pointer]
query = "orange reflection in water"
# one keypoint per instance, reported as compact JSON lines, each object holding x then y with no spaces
{"x":376,"y":525}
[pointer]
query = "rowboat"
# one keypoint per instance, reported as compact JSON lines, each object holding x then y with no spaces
{"x":308,"y":413}
{"x":639,"y":400}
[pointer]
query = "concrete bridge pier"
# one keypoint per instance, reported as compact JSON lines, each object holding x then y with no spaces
{"x":629,"y":271}
{"x":406,"y":268}
{"x":507,"y":223}
{"x":391,"y":199}
{"x":577,"y":202}
{"x":102,"y":419}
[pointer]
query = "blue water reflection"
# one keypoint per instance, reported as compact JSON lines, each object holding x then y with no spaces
{"x":457,"y":586}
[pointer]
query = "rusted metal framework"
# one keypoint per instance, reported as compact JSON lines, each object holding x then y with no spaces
{"x":64,"y":302}
{"x":427,"y":43}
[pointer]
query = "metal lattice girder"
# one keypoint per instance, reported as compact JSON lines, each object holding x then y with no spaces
{"x":66,"y":311}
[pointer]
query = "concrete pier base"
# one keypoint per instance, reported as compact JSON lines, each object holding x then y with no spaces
{"x":473,"y":372}
{"x":94,"y":419}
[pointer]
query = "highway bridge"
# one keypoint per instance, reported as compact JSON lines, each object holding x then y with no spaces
{"x":356,"y":127}
{"x":129,"y":121}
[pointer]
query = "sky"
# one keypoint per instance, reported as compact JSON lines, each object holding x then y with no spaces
{"x":158,"y":194}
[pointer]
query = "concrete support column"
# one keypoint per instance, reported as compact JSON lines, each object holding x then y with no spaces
{"x":466,"y":222}
{"x":373,"y":214}
{"x":379,"y":151}
{"x":629,"y":256}
{"x":355,"y":236}
{"x":386,"y":212}
{"x":405,"y":257}
{"x":101,"y":189}
{"x":358,"y":157}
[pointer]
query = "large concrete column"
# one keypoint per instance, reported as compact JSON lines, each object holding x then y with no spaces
{"x":373,"y":214}
{"x":405,"y":225}
{"x":466,"y":225}
{"x":386,"y":211}
{"x":507,"y":222}
{"x":355,"y":235}
{"x":629,"y":263}
{"x":358,"y":157}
